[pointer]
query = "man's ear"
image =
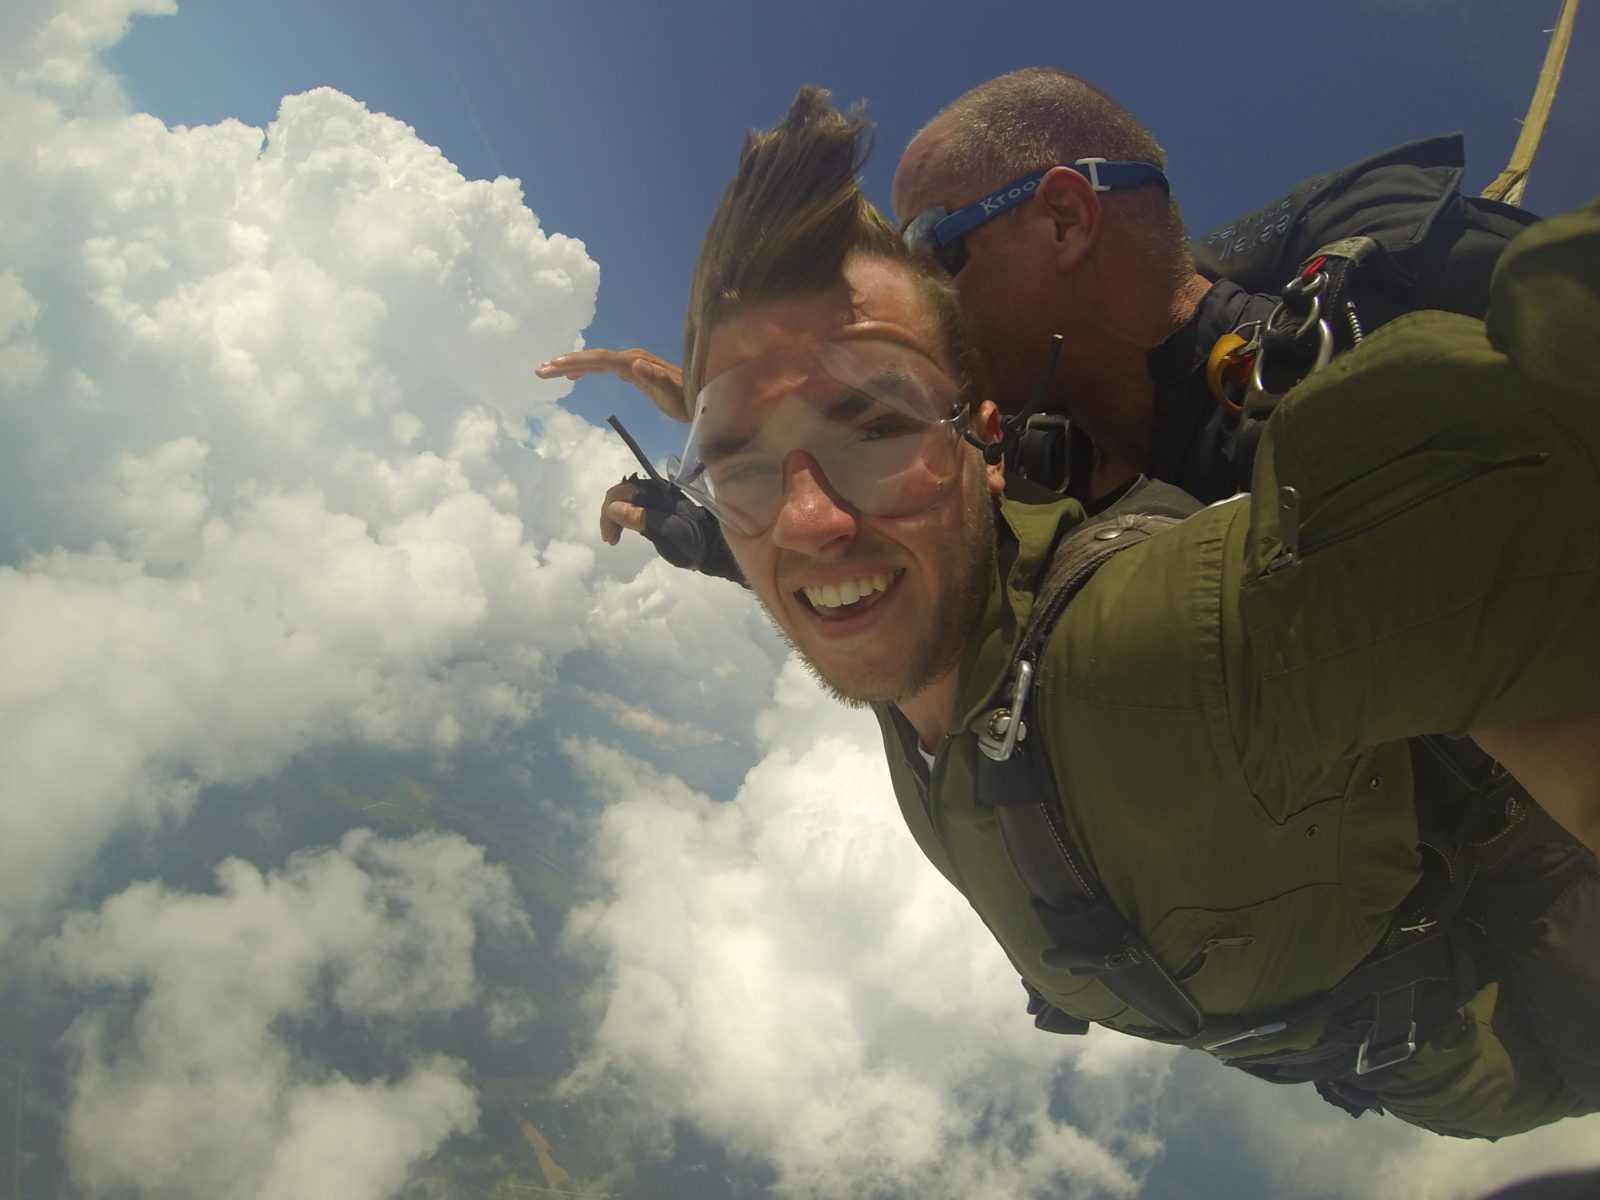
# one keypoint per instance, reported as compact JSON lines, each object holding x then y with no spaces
{"x":1075,"y":213}
{"x":986,"y":428}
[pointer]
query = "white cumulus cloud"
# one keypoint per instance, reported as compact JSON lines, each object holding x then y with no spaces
{"x":263,"y":396}
{"x":788,"y":973}
{"x":266,"y":405}
{"x":199,"y":1091}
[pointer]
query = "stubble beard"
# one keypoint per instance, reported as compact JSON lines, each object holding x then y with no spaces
{"x":955,"y":616}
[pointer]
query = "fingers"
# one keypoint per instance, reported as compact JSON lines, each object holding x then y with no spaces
{"x":618,"y":512}
{"x":580,"y":363}
{"x":658,"y":379}
{"x":617,"y":516}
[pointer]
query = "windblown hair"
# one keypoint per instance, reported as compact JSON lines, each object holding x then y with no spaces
{"x":1041,"y":116}
{"x":791,"y":219}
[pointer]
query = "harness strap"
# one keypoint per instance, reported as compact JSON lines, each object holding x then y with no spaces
{"x":1315,"y":319}
{"x":1420,"y":973}
{"x":1373,"y":1012}
{"x":1091,"y":937}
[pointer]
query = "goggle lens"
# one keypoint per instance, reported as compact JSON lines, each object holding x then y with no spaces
{"x":879,"y":421}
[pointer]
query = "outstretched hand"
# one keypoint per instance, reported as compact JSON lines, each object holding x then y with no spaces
{"x":655,"y":377}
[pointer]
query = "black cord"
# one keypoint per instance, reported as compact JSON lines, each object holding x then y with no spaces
{"x":1011,"y":427}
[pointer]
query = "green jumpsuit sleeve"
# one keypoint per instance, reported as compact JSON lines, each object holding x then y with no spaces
{"x":1434,"y":568}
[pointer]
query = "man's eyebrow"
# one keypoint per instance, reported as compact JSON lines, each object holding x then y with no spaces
{"x":724,"y":445}
{"x":859,"y":399}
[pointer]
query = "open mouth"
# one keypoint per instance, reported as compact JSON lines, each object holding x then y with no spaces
{"x":848,"y":597}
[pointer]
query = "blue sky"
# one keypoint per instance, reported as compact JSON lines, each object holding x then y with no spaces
{"x":623,"y":119}
{"x":345,"y":768}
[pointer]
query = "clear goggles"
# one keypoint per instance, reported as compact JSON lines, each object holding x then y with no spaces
{"x":881,"y":422}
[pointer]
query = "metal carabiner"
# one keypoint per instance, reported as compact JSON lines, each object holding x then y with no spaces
{"x":1313,"y":315}
{"x":999,"y":730}
{"x":1324,"y":354}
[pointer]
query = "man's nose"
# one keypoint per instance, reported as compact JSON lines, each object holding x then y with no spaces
{"x":814,"y":518}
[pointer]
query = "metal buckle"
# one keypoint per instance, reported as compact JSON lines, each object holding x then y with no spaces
{"x":1001,"y":728}
{"x":1249,"y":1035}
{"x":1370,"y":1058}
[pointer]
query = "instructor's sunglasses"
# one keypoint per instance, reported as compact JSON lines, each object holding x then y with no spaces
{"x":939,"y":232}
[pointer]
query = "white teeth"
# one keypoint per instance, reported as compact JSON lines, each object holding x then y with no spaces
{"x":837,"y":595}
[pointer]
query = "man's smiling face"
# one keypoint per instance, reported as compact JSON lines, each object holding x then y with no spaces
{"x":880,"y":607}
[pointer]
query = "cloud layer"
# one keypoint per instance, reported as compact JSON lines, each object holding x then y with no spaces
{"x":277,"y":481}
{"x":379,"y":932}
{"x":263,"y":398}
{"x":790,"y":971}
{"x":264,"y":404}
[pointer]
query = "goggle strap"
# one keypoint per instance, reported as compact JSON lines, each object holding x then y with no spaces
{"x":1102,"y":174}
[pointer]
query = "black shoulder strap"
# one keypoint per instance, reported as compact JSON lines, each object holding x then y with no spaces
{"x":1315,"y":318}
